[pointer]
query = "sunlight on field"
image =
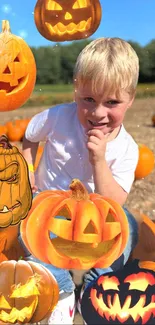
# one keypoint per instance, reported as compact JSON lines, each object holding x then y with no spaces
{"x":55,"y":94}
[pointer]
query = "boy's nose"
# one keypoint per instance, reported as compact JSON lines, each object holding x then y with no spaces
{"x":100,"y":111}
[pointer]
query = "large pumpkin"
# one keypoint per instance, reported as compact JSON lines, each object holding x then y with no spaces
{"x":59,"y":20}
{"x":146,"y":162}
{"x":145,"y":248}
{"x":15,"y":189}
{"x":93,"y":232}
{"x":123,"y":297}
{"x":29,"y":292}
{"x":17,"y":70}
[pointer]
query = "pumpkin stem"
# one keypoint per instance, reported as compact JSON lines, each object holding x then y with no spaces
{"x":79,"y":191}
{"x":6,"y":26}
{"x":4,"y":142}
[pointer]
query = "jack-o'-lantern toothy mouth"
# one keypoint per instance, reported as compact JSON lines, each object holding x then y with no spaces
{"x":61,"y":29}
{"x":82,"y":251}
{"x":10,"y":87}
{"x":7,"y":209}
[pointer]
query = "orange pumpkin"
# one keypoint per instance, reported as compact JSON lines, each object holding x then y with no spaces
{"x":17,"y":70}
{"x":3,"y":130}
{"x":94,"y":233}
{"x":15,"y":189}
{"x":145,"y":163}
{"x":59,"y":20}
{"x":28,"y":294}
{"x":10,"y":248}
{"x":153,"y":119}
{"x":145,"y":248}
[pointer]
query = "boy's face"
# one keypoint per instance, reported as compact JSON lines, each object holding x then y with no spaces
{"x":99,"y":111}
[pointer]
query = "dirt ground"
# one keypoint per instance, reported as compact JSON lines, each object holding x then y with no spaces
{"x":138,"y":123}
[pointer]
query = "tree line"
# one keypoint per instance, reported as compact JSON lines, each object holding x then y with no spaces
{"x":55,"y":63}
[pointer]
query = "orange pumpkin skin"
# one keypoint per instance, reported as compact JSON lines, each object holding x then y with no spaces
{"x":17,"y":70}
{"x":94,"y":235}
{"x":15,"y":188}
{"x":10,"y":248}
{"x":44,"y":297}
{"x":145,"y":163}
{"x":69,"y":20}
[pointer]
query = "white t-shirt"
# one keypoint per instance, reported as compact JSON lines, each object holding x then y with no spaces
{"x":65,"y":154}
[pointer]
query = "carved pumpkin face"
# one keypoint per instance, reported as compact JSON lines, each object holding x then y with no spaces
{"x":29,"y":292}
{"x":15,"y":189}
{"x":59,"y":20}
{"x":93,"y":231}
{"x":17,"y":70}
{"x":123,"y":297}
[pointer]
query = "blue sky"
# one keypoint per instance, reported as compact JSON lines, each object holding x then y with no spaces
{"x":131,"y":20}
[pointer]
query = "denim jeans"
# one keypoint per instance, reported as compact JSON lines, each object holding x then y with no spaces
{"x":63,"y":276}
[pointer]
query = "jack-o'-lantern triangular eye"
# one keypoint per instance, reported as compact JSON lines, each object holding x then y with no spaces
{"x":90,"y":229}
{"x":53,"y":5}
{"x":81,"y":4}
{"x":7,"y":70}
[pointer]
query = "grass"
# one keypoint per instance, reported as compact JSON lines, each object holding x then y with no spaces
{"x":54,"y":94}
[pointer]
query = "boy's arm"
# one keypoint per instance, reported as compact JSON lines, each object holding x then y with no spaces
{"x":105,"y":183}
{"x":30,"y":150}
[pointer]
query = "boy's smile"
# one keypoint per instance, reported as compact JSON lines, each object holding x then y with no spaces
{"x":103,"y":112}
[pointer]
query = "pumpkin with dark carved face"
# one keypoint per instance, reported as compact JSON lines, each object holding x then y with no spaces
{"x":28,"y":292}
{"x":59,"y":20}
{"x":17,"y":70}
{"x":89,"y":230}
{"x":15,"y":189}
{"x":123,"y":297}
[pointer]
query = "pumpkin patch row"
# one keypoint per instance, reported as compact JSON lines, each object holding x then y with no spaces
{"x":14,"y":130}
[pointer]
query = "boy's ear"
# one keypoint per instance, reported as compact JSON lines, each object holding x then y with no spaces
{"x":131,"y":101}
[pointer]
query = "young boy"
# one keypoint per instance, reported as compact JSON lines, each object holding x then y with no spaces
{"x":87,"y":140}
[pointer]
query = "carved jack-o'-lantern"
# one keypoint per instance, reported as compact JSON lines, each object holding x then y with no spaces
{"x":28,"y":292}
{"x":93,"y":231}
{"x":17,"y":70}
{"x":59,"y":20}
{"x":15,"y":189}
{"x":123,"y":297}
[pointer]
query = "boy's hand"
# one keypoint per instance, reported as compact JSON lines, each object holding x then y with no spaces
{"x":32,"y":182}
{"x":96,"y":145}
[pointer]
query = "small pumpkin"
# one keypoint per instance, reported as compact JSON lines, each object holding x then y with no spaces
{"x":153,"y":119}
{"x":29,"y":292}
{"x":15,"y":188}
{"x":94,"y":230}
{"x":17,"y":70}
{"x":59,"y":20}
{"x":145,"y":163}
{"x":126,"y":296}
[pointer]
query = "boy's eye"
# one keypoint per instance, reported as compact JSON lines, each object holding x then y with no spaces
{"x":113,"y":102}
{"x":89,"y":99}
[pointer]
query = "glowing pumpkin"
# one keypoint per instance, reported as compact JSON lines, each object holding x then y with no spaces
{"x":145,"y":163}
{"x":17,"y":70}
{"x":93,"y":232}
{"x":28,"y":294}
{"x":15,"y":189}
{"x":123,"y":297}
{"x":59,"y":20}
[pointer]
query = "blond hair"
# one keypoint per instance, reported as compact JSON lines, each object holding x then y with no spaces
{"x":110,"y":64}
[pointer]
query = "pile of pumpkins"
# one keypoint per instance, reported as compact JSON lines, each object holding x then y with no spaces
{"x":15,"y":131}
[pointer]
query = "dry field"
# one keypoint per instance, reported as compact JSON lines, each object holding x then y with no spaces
{"x":138,"y":123}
